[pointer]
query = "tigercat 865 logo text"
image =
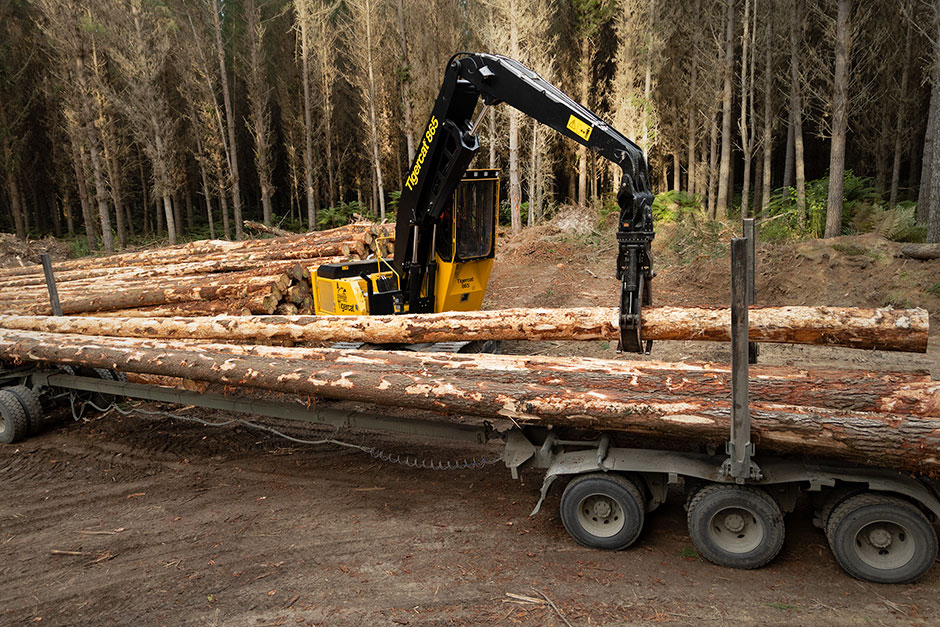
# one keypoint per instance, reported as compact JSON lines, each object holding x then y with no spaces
{"x":425,"y":144}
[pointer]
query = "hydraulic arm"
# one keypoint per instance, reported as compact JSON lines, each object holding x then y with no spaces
{"x":450,"y":142}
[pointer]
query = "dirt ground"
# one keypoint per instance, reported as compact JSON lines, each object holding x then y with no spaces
{"x":147,"y":520}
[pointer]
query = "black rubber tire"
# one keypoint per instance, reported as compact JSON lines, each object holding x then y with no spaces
{"x":29,"y":397}
{"x":704,"y":504}
{"x":859,"y":511}
{"x":617,"y":488}
{"x":832,"y":500}
{"x":14,"y":421}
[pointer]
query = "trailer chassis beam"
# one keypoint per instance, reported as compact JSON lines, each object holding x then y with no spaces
{"x":339,"y":418}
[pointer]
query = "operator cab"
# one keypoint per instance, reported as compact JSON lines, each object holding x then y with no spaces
{"x":464,"y":248}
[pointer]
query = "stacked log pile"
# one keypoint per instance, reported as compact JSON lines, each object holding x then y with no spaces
{"x":881,"y":419}
{"x":207,"y":277}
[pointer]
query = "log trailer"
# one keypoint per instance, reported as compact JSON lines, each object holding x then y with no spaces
{"x":879,"y":521}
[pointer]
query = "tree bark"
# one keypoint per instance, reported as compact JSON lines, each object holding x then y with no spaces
{"x":747,"y":98}
{"x":258,"y":100}
{"x":713,"y":168}
{"x":114,"y":176}
{"x":796,"y":118}
{"x":693,"y":125}
{"x":840,"y":118}
{"x":145,"y":297}
{"x":768,"y":140}
{"x":901,"y":120}
{"x":926,"y":172}
{"x":78,"y":161}
{"x":67,"y":209}
{"x":230,"y":122}
{"x":372,"y":97}
{"x":933,"y":213}
{"x":407,"y":123}
{"x":921,"y":251}
{"x":678,"y":403}
{"x":724,"y":170}
{"x":584,"y":71}
{"x":885,"y":329}
{"x":91,"y":130}
{"x":11,"y":178}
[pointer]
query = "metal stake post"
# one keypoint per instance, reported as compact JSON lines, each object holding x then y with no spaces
{"x":739,"y":447}
{"x":750,"y":234}
{"x":50,"y":285}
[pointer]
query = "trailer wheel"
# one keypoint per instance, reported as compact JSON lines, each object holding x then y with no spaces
{"x":735,"y":526}
{"x":603,"y":511}
{"x":28,"y":397}
{"x":14,"y":420}
{"x":881,"y":539}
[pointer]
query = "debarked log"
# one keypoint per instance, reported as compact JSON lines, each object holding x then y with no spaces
{"x":885,"y":329}
{"x":527,"y":397}
{"x":905,"y":393}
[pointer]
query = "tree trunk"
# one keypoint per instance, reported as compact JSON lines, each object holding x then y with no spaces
{"x":78,"y":161}
{"x":163,"y":187}
{"x":91,"y":130}
{"x":584,"y":93}
{"x":713,"y":168}
{"x":187,"y":195}
{"x":881,"y":155}
{"x":145,"y":193}
{"x":372,"y":97}
{"x":230,"y":122}
{"x":67,"y":209}
{"x":768,"y":140}
{"x":170,"y":218}
{"x":933,"y":215}
{"x":840,"y":118}
{"x":883,"y":329}
{"x":747,"y":96}
{"x":693,"y":125}
{"x":533,"y":176}
{"x":114,"y":176}
{"x":177,"y":214}
{"x":16,"y":207}
{"x":926,"y":172}
{"x":724,"y":170}
{"x":900,"y":126}
{"x":676,"y":172}
{"x":515,"y":186}
{"x":405,"y":73}
{"x":678,"y":403}
{"x":921,"y":251}
{"x":258,"y":101}
{"x":491,"y":124}
{"x":796,"y":119}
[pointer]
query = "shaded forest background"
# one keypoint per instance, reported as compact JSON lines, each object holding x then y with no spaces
{"x":124,"y":121}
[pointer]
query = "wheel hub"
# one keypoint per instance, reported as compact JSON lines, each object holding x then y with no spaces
{"x":880,"y":538}
{"x":884,"y":544}
{"x":602,"y":509}
{"x":601,"y":515}
{"x":734,"y":522}
{"x":736,"y":530}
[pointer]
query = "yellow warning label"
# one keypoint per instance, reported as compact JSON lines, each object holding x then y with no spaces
{"x":579,"y":127}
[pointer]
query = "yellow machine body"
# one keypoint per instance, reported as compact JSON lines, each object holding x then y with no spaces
{"x":465,"y":245}
{"x":347,"y":296}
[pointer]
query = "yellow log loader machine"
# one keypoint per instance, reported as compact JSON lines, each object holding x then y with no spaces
{"x":445,"y":238}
